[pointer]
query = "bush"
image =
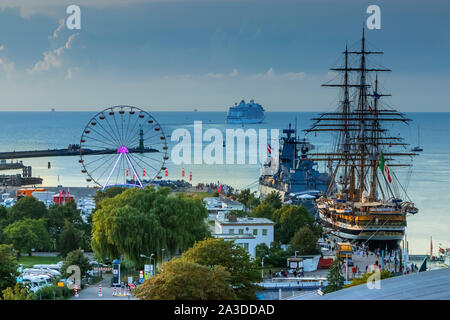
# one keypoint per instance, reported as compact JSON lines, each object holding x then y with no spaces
{"x":54,"y":292}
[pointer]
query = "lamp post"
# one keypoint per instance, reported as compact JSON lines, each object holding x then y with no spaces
{"x":162,"y":255}
{"x":262,"y":266}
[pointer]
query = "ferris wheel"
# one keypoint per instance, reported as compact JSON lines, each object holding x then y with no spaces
{"x":123,"y":146}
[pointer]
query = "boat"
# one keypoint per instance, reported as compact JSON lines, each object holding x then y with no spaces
{"x":292,"y":174}
{"x":418,"y":148}
{"x":245,"y":113}
{"x":368,"y":204}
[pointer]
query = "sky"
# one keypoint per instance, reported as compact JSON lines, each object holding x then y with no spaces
{"x":207,"y":54}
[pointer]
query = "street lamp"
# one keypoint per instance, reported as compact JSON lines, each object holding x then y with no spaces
{"x":262,"y":267}
{"x":162,"y":255}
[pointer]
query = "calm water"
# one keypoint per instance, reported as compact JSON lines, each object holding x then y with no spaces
{"x":429,"y":186}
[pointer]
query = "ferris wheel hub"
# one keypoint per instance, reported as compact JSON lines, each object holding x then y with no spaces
{"x":122,"y":149}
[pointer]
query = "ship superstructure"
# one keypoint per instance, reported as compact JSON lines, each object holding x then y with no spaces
{"x":292,"y":174}
{"x":368,"y":204}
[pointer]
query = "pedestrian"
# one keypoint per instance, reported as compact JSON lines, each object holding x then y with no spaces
{"x":354,"y":271}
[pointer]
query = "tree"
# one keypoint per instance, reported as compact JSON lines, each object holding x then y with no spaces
{"x":70,"y":239}
{"x":27,"y":234}
{"x":274,"y":199}
{"x":288,"y":219}
{"x":140,"y":221}
{"x":57,"y":216}
{"x":237,"y":213}
{"x":248,"y":199}
{"x":263,"y":210}
{"x":305,"y":241}
{"x":261,"y":250}
{"x":110,"y":192}
{"x":183,"y":280}
{"x":218,"y":252}
{"x":8,"y":269}
{"x":27,"y":207}
{"x":334,"y":277}
{"x":77,"y":258}
{"x":277,"y":255}
{"x":18,"y":292}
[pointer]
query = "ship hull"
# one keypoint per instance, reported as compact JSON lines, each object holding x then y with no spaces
{"x":375,"y":237}
{"x":244,"y":120}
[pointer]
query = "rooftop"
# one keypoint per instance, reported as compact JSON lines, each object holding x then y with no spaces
{"x":428,"y":285}
{"x":247,"y":220}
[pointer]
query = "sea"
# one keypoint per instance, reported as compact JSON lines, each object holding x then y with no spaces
{"x":427,"y":181}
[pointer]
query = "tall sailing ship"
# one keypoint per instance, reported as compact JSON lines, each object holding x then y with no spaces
{"x":365,"y":201}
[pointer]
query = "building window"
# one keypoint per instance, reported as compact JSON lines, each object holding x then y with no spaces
{"x":246,"y":246}
{"x":241,"y":231}
{"x":255,"y":232}
{"x":231,"y":231}
{"x":264,"y":232}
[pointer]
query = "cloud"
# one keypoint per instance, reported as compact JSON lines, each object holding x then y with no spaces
{"x":2,"y":47}
{"x":70,"y":72}
{"x":54,"y":8}
{"x":272,"y":75}
{"x":7,"y":67}
{"x":51,"y":58}
{"x":58,"y":29}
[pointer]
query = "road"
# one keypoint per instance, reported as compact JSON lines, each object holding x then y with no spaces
{"x":91,"y":292}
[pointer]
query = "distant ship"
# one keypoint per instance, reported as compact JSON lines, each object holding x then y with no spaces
{"x":292,"y":174}
{"x":369,"y":204}
{"x":245,"y":113}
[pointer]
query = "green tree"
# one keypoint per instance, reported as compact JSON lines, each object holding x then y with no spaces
{"x":139,"y":222}
{"x":57,"y":216}
{"x":273,"y":199}
{"x":218,"y":252}
{"x":77,"y":258}
{"x":334,"y":277}
{"x":237,"y":213}
{"x":7,"y":267}
{"x":261,"y":250}
{"x":17,"y":292}
{"x":288,"y":219}
{"x":183,"y":280}
{"x":263,"y":210}
{"x":110,"y":192}
{"x":27,"y":234}
{"x":248,"y":199}
{"x":27,"y":207}
{"x":305,"y":241}
{"x":70,"y":239}
{"x":277,"y":256}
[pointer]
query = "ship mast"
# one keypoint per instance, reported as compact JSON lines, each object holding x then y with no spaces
{"x":361,"y":136}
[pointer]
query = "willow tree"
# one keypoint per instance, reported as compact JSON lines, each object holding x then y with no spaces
{"x":138,"y":221}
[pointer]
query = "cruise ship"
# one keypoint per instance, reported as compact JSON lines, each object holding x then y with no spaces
{"x":245,"y":113}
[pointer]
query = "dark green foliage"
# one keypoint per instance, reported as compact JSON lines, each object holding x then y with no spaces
{"x":70,"y":239}
{"x":110,"y":192}
{"x":27,"y":234}
{"x":274,"y":200}
{"x":305,"y":242}
{"x":77,"y":258}
{"x":289,"y":219}
{"x":334,"y":278}
{"x":27,"y":207}
{"x":8,"y":267}
{"x":218,"y":252}
{"x":248,"y":199}
{"x":263,"y":210}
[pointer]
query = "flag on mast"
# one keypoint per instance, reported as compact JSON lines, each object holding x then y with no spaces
{"x":384,"y":168}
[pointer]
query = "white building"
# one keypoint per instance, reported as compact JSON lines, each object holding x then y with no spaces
{"x":247,"y":232}
{"x":217,"y":205}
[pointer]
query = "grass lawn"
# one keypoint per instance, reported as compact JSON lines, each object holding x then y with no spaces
{"x":28,"y":262}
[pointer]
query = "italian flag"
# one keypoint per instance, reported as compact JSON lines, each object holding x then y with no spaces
{"x":384,"y":168}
